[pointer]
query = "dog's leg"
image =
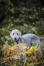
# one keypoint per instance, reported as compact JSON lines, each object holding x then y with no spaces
{"x":39,"y":49}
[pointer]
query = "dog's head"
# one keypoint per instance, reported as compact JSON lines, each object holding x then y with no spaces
{"x":15,"y":34}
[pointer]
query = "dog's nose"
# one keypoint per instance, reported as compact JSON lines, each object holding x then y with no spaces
{"x":15,"y":38}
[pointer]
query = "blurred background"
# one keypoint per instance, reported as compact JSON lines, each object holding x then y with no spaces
{"x":25,"y":15}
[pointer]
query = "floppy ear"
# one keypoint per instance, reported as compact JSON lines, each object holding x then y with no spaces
{"x":11,"y":33}
{"x":20,"y":34}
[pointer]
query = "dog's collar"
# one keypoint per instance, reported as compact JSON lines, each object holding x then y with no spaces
{"x":19,"y":41}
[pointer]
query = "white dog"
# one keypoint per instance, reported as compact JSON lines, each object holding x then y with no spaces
{"x":27,"y":39}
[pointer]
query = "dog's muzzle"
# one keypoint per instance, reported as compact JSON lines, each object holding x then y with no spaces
{"x":15,"y":39}
{"x":18,"y":41}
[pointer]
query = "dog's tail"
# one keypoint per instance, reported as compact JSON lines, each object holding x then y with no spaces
{"x":41,"y":38}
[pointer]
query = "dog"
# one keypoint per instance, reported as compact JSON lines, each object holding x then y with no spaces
{"x":27,"y":39}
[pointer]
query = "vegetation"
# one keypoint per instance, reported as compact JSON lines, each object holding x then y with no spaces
{"x":18,"y":55}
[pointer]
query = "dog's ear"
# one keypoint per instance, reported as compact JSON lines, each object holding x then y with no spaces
{"x":20,"y":34}
{"x":11,"y":33}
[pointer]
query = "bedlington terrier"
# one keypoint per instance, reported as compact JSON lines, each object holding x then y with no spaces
{"x":27,"y":39}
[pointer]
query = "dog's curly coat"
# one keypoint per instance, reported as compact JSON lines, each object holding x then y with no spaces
{"x":27,"y":39}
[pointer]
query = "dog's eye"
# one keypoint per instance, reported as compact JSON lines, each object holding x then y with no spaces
{"x":17,"y":33}
{"x":13,"y":33}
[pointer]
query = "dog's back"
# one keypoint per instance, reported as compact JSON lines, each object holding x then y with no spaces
{"x":31,"y":38}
